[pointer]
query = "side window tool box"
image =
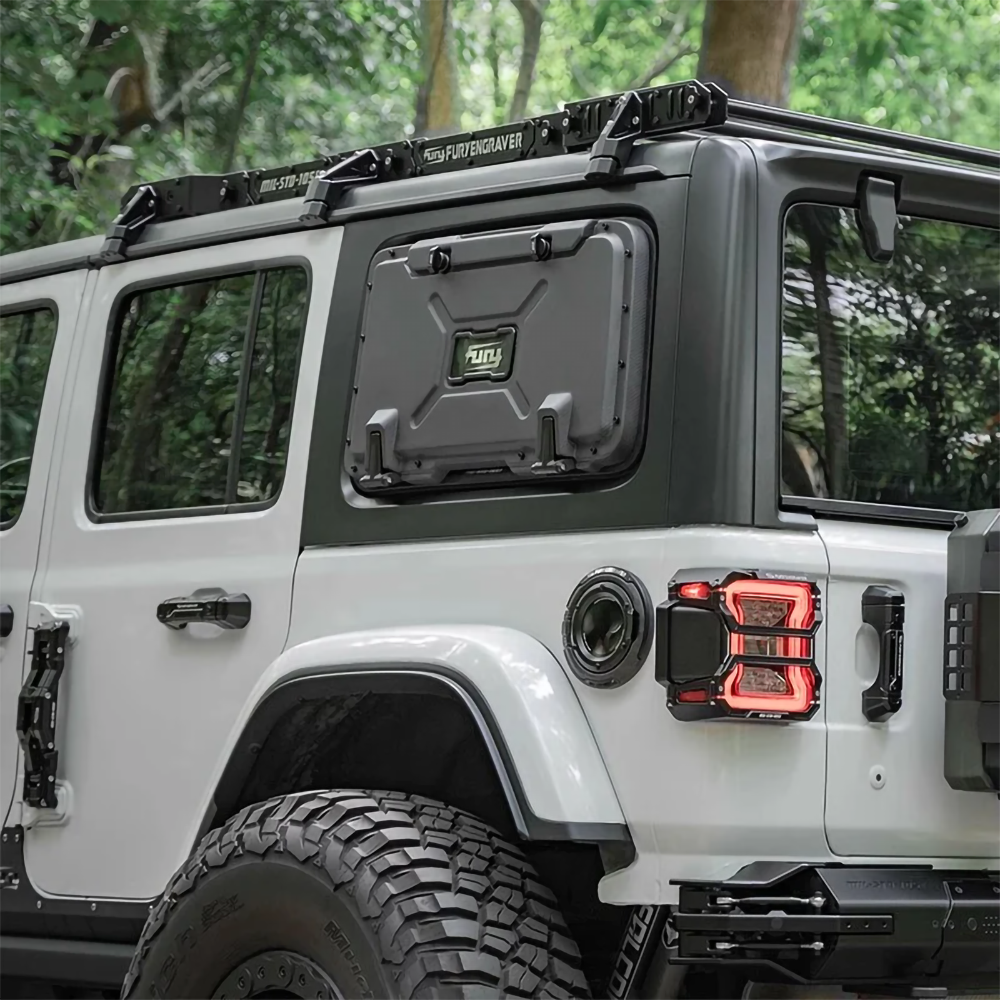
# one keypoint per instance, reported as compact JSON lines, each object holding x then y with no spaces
{"x":502,"y":356}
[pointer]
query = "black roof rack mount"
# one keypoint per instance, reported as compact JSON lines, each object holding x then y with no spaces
{"x":607,"y":127}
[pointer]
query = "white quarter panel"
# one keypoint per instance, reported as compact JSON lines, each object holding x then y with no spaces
{"x":910,"y":810}
{"x":145,"y":710}
{"x":700,"y":798}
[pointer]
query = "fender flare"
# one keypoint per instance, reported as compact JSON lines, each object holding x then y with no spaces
{"x":540,"y":743}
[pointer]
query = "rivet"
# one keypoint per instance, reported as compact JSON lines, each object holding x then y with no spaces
{"x":93,"y":906}
{"x":369,"y":285}
{"x":241,"y":983}
{"x":38,"y":905}
{"x":302,"y":980}
{"x":52,"y":777}
{"x":628,"y":253}
{"x":418,"y":463}
{"x":520,"y":455}
{"x":392,"y":253}
{"x":5,"y":838}
{"x":621,"y":364}
{"x":635,"y":120}
{"x":617,"y":420}
{"x":624,"y":307}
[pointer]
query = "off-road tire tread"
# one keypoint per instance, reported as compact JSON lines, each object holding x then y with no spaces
{"x":458,"y":910}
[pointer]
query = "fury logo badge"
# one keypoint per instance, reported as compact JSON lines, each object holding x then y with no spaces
{"x":488,"y":356}
{"x":482,"y":355}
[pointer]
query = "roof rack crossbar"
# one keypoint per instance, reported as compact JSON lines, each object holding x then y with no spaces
{"x":607,"y":127}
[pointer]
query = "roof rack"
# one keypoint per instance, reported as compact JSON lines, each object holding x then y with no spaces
{"x":607,"y":127}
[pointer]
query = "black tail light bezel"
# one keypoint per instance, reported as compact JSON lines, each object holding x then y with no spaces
{"x":705,"y":696}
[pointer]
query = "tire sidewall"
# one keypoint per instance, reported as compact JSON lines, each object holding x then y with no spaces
{"x":255,"y":905}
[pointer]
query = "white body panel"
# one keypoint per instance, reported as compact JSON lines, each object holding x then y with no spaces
{"x":19,"y":543}
{"x":699,"y":798}
{"x":911,"y":810}
{"x":145,"y":711}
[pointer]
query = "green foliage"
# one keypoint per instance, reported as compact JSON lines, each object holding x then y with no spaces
{"x":920,"y":344}
{"x":177,"y":403}
{"x":26,"y":341}
{"x":253,"y":82}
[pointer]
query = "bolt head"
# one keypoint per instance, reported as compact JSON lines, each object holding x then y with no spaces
{"x":690,"y":98}
{"x":635,"y":120}
{"x":38,"y":905}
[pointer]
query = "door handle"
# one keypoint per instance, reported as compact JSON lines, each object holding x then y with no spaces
{"x":883,"y":608}
{"x":6,"y":620}
{"x":214,"y":607}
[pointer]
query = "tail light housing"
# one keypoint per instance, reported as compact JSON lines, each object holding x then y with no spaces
{"x":739,"y":645}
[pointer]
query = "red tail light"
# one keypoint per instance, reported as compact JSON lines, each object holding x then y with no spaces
{"x":739,"y":646}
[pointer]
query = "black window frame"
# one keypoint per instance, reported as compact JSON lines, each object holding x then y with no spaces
{"x":105,"y":383}
{"x":936,"y":192}
{"x":16,"y":309}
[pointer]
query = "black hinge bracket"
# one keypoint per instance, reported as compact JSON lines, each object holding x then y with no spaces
{"x":326,"y":189}
{"x":653,"y":113}
{"x":141,"y":209}
{"x":37,"y":710}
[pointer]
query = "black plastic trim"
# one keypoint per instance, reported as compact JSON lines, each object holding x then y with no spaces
{"x":712,"y":414}
{"x":181,"y":276}
{"x":852,"y":510}
{"x":312,"y":683}
{"x":14,"y":309}
{"x":25,"y":912}
{"x":335,"y":514}
{"x":80,"y":963}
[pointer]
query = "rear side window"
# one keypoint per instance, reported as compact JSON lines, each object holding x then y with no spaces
{"x":891,"y":372}
{"x":199,"y":393}
{"x":26,"y":340}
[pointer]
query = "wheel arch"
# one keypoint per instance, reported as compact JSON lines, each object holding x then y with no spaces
{"x":520,"y":711}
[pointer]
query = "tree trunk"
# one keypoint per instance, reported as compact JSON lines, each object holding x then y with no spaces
{"x":244,"y":94}
{"x":831,"y":360}
{"x":437,"y":111}
{"x":532,"y":15}
{"x":747,"y":47}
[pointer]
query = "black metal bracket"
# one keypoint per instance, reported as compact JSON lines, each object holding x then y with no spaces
{"x":37,"y":710}
{"x":652,"y":113}
{"x":326,"y":189}
{"x":609,"y":154}
{"x":884,"y":609}
{"x":141,"y":210}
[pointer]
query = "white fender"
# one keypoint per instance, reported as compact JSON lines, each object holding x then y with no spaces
{"x":558,"y":766}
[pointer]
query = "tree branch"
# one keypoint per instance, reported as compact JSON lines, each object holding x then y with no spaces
{"x":199,"y":80}
{"x":661,"y":66}
{"x":532,"y":15}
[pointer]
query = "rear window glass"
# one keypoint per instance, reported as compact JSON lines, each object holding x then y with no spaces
{"x":891,"y":372}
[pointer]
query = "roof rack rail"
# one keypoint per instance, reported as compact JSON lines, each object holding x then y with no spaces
{"x":742,"y":111}
{"x":607,"y":127}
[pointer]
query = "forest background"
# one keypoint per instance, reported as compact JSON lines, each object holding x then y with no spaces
{"x":97,"y":94}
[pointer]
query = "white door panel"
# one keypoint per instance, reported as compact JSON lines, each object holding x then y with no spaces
{"x":886,"y":790}
{"x":19,"y":542}
{"x":696,"y":795}
{"x":146,"y":709}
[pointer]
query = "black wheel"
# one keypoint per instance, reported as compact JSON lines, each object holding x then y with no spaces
{"x":355,"y":894}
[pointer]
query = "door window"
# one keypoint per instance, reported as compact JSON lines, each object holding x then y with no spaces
{"x":199,"y":394}
{"x":891,"y":372}
{"x":26,"y":340}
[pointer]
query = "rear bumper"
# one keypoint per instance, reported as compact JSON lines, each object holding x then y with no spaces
{"x":842,"y":925}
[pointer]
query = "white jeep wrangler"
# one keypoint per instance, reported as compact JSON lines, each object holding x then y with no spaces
{"x":531,"y":563}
